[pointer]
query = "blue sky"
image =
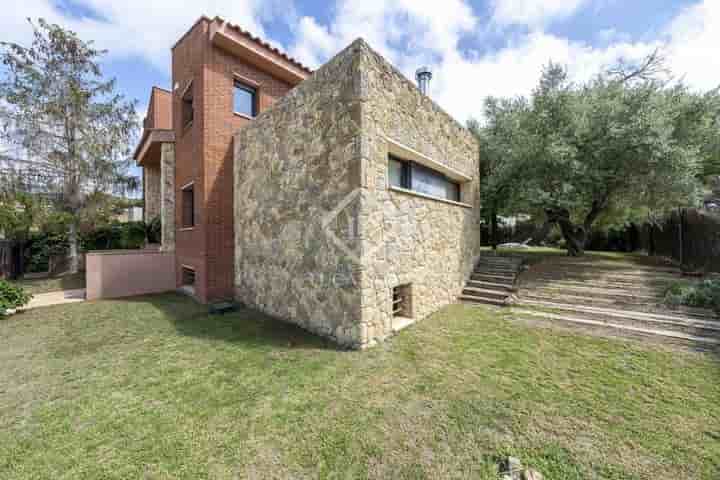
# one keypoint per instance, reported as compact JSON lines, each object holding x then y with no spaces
{"x":478,"y":48}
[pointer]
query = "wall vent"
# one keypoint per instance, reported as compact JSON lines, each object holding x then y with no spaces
{"x":402,"y":301}
{"x":188,"y":276}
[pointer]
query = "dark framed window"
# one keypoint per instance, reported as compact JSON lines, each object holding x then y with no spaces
{"x":188,"y":206}
{"x":188,"y":111}
{"x":413,"y":176}
{"x":245,"y":99}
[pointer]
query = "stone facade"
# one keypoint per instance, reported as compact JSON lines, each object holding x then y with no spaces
{"x":167,"y":195}
{"x":430,"y":244}
{"x":295,"y":163}
{"x":152,"y":195}
{"x":320,"y":238}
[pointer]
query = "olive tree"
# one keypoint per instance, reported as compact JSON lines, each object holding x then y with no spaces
{"x":626,"y":141}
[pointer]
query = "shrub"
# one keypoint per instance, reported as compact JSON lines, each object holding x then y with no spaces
{"x":12,"y":296}
{"x":117,"y":236}
{"x":154,"y":230}
{"x":705,"y":294}
{"x":42,"y":246}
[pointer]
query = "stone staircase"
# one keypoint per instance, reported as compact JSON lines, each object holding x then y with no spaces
{"x":616,"y":298}
{"x":492,"y":281}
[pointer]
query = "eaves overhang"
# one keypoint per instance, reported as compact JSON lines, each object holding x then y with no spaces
{"x":149,"y":138}
{"x":233,"y":39}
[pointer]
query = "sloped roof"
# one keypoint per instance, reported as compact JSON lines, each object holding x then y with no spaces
{"x":264,"y":44}
{"x":248,"y":35}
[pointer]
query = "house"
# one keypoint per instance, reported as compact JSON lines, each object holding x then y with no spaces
{"x":343,"y":200}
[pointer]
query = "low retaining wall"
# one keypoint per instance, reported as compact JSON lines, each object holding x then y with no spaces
{"x":124,"y":273}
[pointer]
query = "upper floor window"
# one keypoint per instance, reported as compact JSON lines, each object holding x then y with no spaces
{"x":413,"y":176}
{"x":187,"y":105}
{"x":188,"y":206}
{"x":245,"y":99}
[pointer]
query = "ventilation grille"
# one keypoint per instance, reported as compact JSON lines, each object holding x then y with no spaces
{"x":188,"y":276}
{"x":402,"y":301}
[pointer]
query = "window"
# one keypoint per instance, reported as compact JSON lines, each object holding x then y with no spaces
{"x":187,"y":105}
{"x":188,"y":206}
{"x":402,"y":301}
{"x":413,"y":176}
{"x":245,"y":99}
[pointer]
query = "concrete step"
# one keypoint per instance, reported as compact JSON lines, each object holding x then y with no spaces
{"x":598,"y":283}
{"x":473,"y":299}
{"x":628,"y":330}
{"x":594,"y":285}
{"x":485,"y":258}
{"x":491,"y":285}
{"x":508,"y":279}
{"x":599,"y":269}
{"x":482,"y":269}
{"x":593,"y":292}
{"x":590,"y":275}
{"x":674,"y":322}
{"x":486,"y":292}
{"x":624,"y":303}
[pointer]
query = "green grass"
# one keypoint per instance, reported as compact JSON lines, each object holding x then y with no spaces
{"x":52,"y":284}
{"x":154,"y":387}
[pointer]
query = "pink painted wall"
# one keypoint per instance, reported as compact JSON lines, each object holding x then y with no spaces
{"x":124,"y":273}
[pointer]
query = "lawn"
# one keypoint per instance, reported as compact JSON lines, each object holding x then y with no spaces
{"x":154,"y":387}
{"x":52,"y":284}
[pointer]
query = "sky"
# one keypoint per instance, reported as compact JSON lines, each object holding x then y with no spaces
{"x":475,"y":48}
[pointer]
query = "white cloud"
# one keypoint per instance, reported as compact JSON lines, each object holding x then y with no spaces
{"x":408,"y":33}
{"x":693,"y":44}
{"x":411,"y":34}
{"x":533,"y":12}
{"x":399,"y":29}
{"x":140,"y":28}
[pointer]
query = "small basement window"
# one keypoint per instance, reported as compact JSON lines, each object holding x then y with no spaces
{"x":413,"y":176}
{"x":245,"y":99}
{"x":402,"y":301}
{"x":188,"y":206}
{"x":188,"y":276}
{"x":188,"y":111}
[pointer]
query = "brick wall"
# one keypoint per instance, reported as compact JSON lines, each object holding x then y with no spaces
{"x":220,"y":125}
{"x":187,"y":64}
{"x":204,"y":154}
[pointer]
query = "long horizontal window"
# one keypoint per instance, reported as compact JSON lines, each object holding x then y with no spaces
{"x":413,"y":176}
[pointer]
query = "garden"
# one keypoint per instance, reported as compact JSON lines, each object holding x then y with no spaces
{"x":156,"y":387}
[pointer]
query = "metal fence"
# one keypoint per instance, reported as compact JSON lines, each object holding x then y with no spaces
{"x":11,"y":259}
{"x":689,"y":236}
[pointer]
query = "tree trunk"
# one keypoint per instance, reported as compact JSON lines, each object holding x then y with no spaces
{"x":575,"y":238}
{"x":494,"y":229}
{"x":542,"y":233}
{"x":575,"y":235}
{"x":73,"y":243}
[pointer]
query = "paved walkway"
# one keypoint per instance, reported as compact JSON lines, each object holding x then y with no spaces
{"x":56,"y":298}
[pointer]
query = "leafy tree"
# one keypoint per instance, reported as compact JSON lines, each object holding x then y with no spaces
{"x":499,"y":151}
{"x":623,"y":144}
{"x":74,"y":127}
{"x":19,"y":213}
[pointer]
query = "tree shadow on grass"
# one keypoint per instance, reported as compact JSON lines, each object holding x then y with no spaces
{"x":244,"y":325}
